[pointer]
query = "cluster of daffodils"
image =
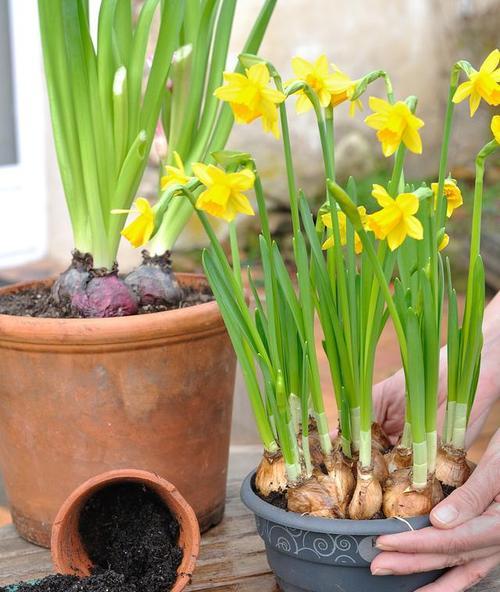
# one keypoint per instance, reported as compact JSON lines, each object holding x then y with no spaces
{"x":357,"y":267}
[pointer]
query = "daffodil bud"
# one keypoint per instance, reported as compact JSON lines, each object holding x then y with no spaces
{"x":295,"y":87}
{"x":247,"y":60}
{"x":412,"y":101}
{"x":363,"y":83}
{"x":466,"y":67}
{"x":231,"y":158}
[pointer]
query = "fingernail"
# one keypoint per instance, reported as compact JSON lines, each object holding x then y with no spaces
{"x":445,"y":514}
{"x":382,"y":547}
{"x":383,"y":571}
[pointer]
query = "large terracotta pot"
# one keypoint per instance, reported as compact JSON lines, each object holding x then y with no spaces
{"x":79,"y":397}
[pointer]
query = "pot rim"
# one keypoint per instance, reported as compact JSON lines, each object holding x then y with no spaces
{"x":325,"y":525}
{"x":199,"y":319}
{"x":189,"y":537}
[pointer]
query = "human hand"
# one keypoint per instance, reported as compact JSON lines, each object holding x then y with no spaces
{"x":389,"y":405}
{"x":464,"y":536}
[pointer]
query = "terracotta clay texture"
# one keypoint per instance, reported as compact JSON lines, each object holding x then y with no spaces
{"x":79,"y":397}
{"x":68,"y":553}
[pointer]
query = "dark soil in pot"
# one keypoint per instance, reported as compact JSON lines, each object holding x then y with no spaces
{"x":38,"y":302}
{"x":131,"y":537}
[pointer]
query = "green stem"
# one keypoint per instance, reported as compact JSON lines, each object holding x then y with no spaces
{"x":235,"y":252}
{"x":486,"y":151}
{"x":443,"y":159}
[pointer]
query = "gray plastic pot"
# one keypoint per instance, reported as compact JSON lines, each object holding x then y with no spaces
{"x":310,"y":554}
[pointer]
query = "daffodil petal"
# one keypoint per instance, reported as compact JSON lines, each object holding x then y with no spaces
{"x":241,"y":181}
{"x":201,"y":172}
{"x":301,"y":67}
{"x":414,"y":228}
{"x":408,"y":203}
{"x":303,"y":104}
{"x":462,"y":92}
{"x":259,"y":74}
{"x":475,"y":99}
{"x":491,"y":62}
{"x":396,"y":237}
{"x":377,"y":104}
{"x":381,"y":195}
{"x":242,"y":204}
{"x":412,"y":140}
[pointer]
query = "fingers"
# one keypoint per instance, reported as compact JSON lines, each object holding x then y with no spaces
{"x":475,"y":495}
{"x":478,"y":533}
{"x":389,"y":405}
{"x":463,"y":577}
{"x":389,"y":564}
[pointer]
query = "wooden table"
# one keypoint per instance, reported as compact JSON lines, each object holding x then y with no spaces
{"x":232,"y":557}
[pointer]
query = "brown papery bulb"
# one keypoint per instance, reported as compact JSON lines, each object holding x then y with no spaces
{"x":380,"y":440}
{"x":313,"y":499}
{"x":378,"y":463}
{"x":317,"y":458}
{"x":380,"y":471}
{"x":452,"y":468}
{"x":367,"y":497}
{"x":271,"y":474}
{"x":398,"y":458}
{"x":403,"y":501}
{"x":340,"y":481}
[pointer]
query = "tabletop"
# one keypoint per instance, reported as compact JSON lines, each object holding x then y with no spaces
{"x":232,"y":556}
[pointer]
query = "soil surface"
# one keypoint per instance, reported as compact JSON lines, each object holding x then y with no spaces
{"x":37,"y":302}
{"x":276,"y":499}
{"x":132,"y":539}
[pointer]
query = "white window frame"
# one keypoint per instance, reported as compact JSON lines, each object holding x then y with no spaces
{"x":23,"y":186}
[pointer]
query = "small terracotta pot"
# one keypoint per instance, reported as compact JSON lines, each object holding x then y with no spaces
{"x":79,"y":397}
{"x":68,"y":552}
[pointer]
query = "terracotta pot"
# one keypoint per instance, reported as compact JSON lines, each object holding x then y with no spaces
{"x":79,"y":397}
{"x":68,"y":552}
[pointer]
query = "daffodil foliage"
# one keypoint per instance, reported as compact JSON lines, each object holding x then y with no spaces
{"x":358,"y":262}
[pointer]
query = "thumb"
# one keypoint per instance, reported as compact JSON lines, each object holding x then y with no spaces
{"x":475,"y":495}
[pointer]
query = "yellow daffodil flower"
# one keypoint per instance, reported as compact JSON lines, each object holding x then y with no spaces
{"x":327,"y":221}
{"x":484,"y":84}
{"x":175,"y":174}
{"x":318,"y":76}
{"x":452,"y":193}
{"x":394,"y":124}
{"x":445,"y":241}
{"x":495,"y":128}
{"x":342,"y":88}
{"x":250,"y":97}
{"x":140,"y":230}
{"x":223,"y":197}
{"x":396,"y":220}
